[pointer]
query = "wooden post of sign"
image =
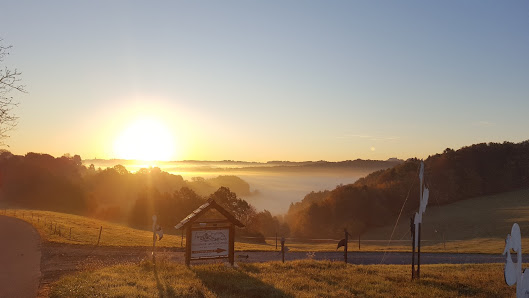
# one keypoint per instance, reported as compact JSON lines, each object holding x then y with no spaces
{"x":412,"y":227}
{"x":276,"y":240}
{"x":359,"y":240}
{"x":231,"y":253}
{"x":419,"y":254}
{"x":188,"y":245}
{"x":283,"y":248}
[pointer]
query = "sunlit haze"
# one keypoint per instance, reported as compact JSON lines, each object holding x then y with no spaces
{"x":146,"y":139}
{"x":269,"y":80}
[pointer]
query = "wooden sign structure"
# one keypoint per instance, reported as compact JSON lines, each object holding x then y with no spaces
{"x":209,"y":238}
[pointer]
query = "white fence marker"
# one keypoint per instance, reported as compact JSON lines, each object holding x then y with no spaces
{"x":513,"y":271}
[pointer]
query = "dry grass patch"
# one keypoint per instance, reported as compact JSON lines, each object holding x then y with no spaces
{"x":85,"y":230}
{"x":306,"y":278}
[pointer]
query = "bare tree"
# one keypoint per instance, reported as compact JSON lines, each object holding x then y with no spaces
{"x":9,"y":83}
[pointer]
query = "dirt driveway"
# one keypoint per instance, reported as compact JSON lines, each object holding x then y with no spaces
{"x":19,"y":258}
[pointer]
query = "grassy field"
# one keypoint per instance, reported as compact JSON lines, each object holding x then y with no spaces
{"x":292,"y":279}
{"x":474,"y":225}
{"x":477,"y":225}
{"x":85,"y":231}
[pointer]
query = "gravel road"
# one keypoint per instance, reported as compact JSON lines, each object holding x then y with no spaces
{"x":19,"y":258}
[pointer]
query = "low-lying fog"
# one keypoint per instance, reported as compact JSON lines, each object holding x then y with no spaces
{"x":275,"y":192}
{"x":273,"y":185}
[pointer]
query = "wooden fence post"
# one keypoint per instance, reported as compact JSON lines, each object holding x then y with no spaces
{"x":283,"y":248}
{"x":100,"y":230}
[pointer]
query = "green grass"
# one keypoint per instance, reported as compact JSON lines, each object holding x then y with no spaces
{"x":292,"y":279}
{"x":85,"y":230}
{"x":477,"y":225}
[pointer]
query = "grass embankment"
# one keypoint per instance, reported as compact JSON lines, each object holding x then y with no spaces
{"x":477,"y":225}
{"x":85,"y":230}
{"x":55,"y":227}
{"x":292,"y":279}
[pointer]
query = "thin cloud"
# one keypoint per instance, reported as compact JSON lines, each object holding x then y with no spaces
{"x":369,"y":137}
{"x":483,"y":124}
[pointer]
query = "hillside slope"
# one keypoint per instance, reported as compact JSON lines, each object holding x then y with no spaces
{"x":480,"y":217}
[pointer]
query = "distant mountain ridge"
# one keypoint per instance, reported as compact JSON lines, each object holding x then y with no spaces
{"x":231,"y":165}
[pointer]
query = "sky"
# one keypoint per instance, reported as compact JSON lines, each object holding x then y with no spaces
{"x":267,"y":80}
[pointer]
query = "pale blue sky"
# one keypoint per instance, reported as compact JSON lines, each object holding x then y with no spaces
{"x":287,"y":80}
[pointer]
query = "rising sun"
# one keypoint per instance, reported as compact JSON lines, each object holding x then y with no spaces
{"x":146,"y":139}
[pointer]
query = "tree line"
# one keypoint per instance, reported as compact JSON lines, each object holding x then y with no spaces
{"x":377,"y":199}
{"x":64,"y":184}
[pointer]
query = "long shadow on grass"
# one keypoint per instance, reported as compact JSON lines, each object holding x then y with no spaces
{"x":234,"y":282}
{"x":167,"y":291}
{"x":461,"y":289}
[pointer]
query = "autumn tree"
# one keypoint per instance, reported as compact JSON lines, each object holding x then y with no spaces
{"x":9,"y":84}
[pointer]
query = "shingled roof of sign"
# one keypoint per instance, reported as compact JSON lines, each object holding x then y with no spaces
{"x":193,"y":216}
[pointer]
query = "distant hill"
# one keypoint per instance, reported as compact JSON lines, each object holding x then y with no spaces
{"x":358,"y":165}
{"x":376,"y":200}
{"x":480,"y":217}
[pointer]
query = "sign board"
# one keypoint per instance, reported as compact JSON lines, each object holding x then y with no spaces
{"x":210,"y":243}
{"x":210,"y":238}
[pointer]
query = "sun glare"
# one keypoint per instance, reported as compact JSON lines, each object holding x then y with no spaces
{"x":146,"y":140}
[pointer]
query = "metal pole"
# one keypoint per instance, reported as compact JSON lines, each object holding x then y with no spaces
{"x":345,"y":246}
{"x":419,"y":254}
{"x":358,"y":240}
{"x":276,"y":240}
{"x":412,"y":227}
{"x":153,"y":245}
